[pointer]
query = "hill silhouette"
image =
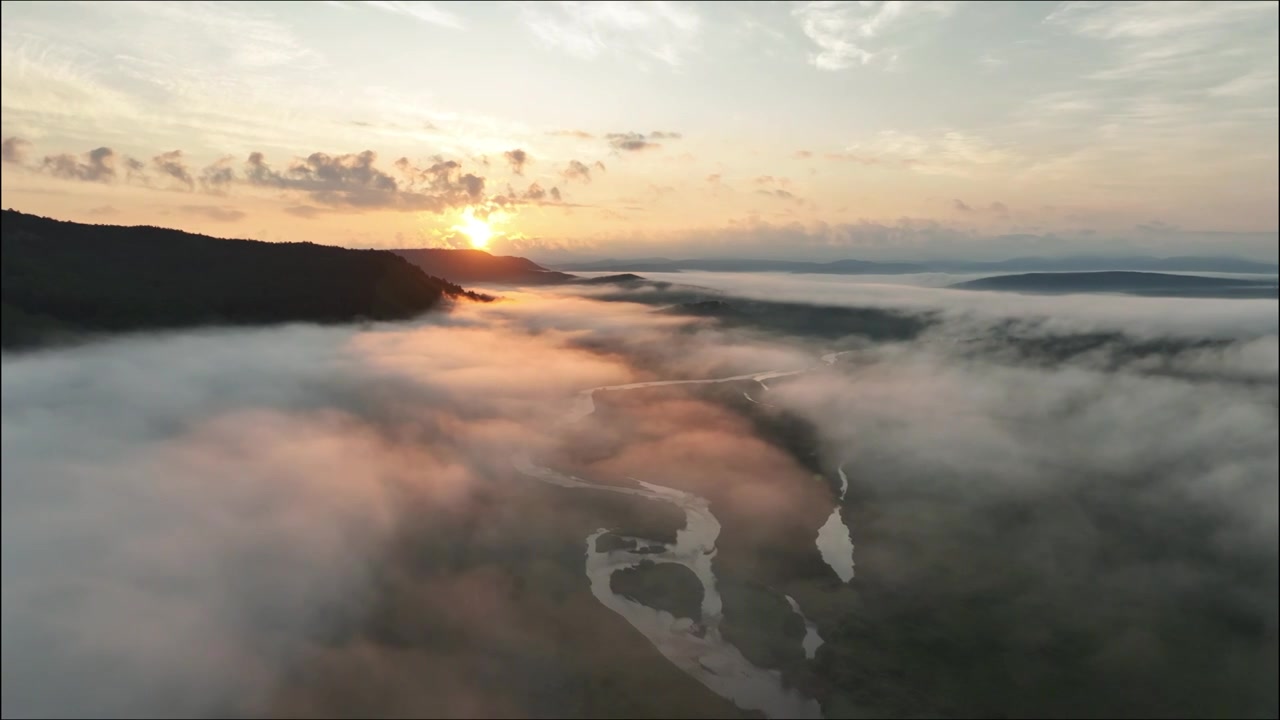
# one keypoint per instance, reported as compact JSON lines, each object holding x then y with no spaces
{"x":478,"y":266}
{"x":66,"y":279}
{"x":1133,"y":283}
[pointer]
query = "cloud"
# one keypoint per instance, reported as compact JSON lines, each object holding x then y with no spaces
{"x":1158,"y":93}
{"x":992,"y":59}
{"x":218,"y":176}
{"x":1177,"y":44}
{"x":352,"y":181}
{"x":665,"y":32}
{"x":134,"y":170}
{"x":103,"y":210}
{"x":852,"y":34}
{"x":576,"y":170}
{"x":579,"y":134}
{"x":324,"y":173}
{"x":1252,"y":84}
{"x":517,"y":160}
{"x":14,"y":150}
{"x":630,"y":142}
{"x":802,"y":155}
{"x":920,"y":239}
{"x":171,"y":164}
{"x":861,"y":159}
{"x":215,"y":212}
{"x":769,"y":180}
{"x":778,"y":193}
{"x":950,"y":153}
{"x":424,"y":12}
{"x":996,"y":208}
{"x":94,"y":166}
{"x":101,"y":165}
{"x":308,"y":212}
{"x":634,"y":141}
{"x":535,"y":192}
{"x":1152,"y":20}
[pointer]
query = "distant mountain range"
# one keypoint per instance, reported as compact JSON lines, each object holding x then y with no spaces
{"x":865,"y":267}
{"x":1131,"y":283}
{"x":65,"y":279}
{"x":478,"y":266}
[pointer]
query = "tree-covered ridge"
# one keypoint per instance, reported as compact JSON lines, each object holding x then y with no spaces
{"x":478,"y":266}
{"x":64,"y":278}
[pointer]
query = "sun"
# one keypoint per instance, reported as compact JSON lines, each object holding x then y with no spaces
{"x":476,"y":230}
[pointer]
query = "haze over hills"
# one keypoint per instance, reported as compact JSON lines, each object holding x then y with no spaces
{"x":66,"y":278}
{"x":866,"y":267}
{"x":1132,"y":283}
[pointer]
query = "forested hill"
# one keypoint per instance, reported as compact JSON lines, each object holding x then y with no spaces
{"x":478,"y":266}
{"x":66,"y":278}
{"x":1134,"y":283}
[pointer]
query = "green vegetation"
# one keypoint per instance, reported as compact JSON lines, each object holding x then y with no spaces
{"x":63,"y":279}
{"x":664,"y":586}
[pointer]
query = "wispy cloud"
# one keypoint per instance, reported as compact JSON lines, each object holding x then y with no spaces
{"x":517,"y":159}
{"x":579,"y":134}
{"x":350,"y":181}
{"x":172,"y":165}
{"x":426,"y":12}
{"x":634,"y":141}
{"x":218,"y":213}
{"x":662,"y":31}
{"x":14,"y":150}
{"x":923,"y":239}
{"x":996,"y":208}
{"x":949,"y":153}
{"x":1165,"y":87}
{"x":1174,"y":41}
{"x":577,"y":170}
{"x":1154,"y":19}
{"x":97,"y":165}
{"x":849,"y":34}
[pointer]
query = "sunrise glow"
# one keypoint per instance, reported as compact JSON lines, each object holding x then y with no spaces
{"x":477,"y":231}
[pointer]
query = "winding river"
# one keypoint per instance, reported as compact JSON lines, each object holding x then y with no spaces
{"x":696,"y":646}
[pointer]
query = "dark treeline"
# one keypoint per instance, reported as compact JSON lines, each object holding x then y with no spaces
{"x":63,"y":279}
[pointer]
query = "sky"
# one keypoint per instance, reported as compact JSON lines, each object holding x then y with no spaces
{"x":818,"y":130}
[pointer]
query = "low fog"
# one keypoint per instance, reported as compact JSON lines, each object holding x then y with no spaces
{"x":1139,"y":316}
{"x":326,"y":520}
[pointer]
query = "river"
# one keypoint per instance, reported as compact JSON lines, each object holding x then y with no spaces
{"x":697,"y":647}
